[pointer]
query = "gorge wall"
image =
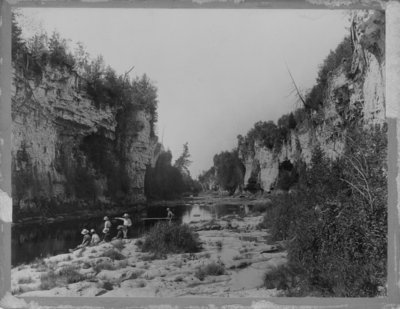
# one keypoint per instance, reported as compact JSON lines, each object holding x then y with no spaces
{"x":355,"y":94}
{"x":68,"y":152}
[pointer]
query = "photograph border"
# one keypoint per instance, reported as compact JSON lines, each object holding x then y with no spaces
{"x":392,"y":59}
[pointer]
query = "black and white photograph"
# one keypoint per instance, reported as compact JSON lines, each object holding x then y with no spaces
{"x":198,"y":153}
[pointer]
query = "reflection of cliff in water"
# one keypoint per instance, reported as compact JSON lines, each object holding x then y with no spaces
{"x":40,"y":240}
{"x":31,"y":241}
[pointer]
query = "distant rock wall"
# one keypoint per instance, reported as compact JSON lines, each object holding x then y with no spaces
{"x":67,"y":151}
{"x":360,"y":94}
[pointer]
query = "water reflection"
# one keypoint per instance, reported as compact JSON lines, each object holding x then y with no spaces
{"x":31,"y":241}
{"x":197,"y":213}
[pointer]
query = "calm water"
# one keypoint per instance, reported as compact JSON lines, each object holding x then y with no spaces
{"x":31,"y":241}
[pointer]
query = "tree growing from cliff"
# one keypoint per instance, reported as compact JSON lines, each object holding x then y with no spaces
{"x":229,"y":170}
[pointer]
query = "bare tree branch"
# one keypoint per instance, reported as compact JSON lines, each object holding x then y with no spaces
{"x":127,"y":72}
{"x":295,"y":87}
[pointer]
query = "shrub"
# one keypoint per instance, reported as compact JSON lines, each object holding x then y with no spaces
{"x":70,"y":274}
{"x":337,"y":222}
{"x":211,"y":269}
{"x":65,"y":276}
{"x":282,"y":277}
{"x":141,"y":284}
{"x":281,"y":214}
{"x":107,"y":285}
{"x":166,"y":238}
{"x":113,"y":254}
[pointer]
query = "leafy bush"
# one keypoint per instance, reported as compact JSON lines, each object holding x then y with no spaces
{"x":166,"y":238}
{"x":280,"y":215}
{"x":282,"y":277}
{"x":211,"y":269}
{"x":336,"y":222}
{"x":107,"y":285}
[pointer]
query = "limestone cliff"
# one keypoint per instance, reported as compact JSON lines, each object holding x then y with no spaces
{"x":69,"y":152}
{"x":353,"y":94}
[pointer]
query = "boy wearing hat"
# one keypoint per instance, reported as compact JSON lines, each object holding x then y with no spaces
{"x":95,"y":238}
{"x":85,"y":241}
{"x":107,"y":229}
{"x":127,"y":223}
{"x":170,"y":214}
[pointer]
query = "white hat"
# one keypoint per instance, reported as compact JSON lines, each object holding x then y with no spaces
{"x":84,"y":232}
{"x":126,"y":215}
{"x":105,"y":218}
{"x":92,"y":231}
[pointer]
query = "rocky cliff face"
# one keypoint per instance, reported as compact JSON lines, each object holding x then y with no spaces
{"x":67,"y":151}
{"x":358,"y":95}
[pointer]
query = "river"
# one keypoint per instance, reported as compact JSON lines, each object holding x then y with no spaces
{"x":31,"y":241}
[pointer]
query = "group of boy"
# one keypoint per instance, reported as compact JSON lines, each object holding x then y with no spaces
{"x":92,"y":238}
{"x":122,"y":229}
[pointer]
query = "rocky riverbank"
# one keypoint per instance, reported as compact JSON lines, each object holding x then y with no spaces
{"x":234,"y":259}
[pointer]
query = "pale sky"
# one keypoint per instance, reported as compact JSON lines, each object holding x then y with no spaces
{"x":217,"y":71}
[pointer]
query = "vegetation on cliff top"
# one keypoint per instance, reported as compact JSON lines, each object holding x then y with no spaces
{"x":271,"y":135}
{"x":36,"y":55}
{"x":92,"y":166}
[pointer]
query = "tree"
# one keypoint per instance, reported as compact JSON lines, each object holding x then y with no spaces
{"x":18,"y":44}
{"x":183,"y":162}
{"x":229,"y":170}
{"x":164,"y":181}
{"x":207,"y":179}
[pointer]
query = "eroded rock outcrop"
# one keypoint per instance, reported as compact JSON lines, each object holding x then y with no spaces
{"x":351,"y":95}
{"x":68,"y":151}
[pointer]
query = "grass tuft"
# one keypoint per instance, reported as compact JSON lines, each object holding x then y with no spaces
{"x":103,"y":265}
{"x":25,"y":280}
{"x":211,"y":269}
{"x":65,"y":276}
{"x":113,"y":254}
